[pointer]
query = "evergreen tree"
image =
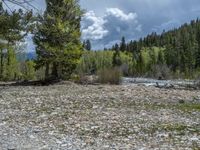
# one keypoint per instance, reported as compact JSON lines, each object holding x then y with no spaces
{"x":58,"y":38}
{"x":88,"y":45}
{"x":198,"y":47}
{"x":2,"y":39}
{"x":182,"y":48}
{"x":13,"y":28}
{"x":161,"y":58}
{"x":116,"y":56}
{"x":123,"y":44}
{"x":11,"y":69}
{"x":29,"y":70}
{"x":84,"y":44}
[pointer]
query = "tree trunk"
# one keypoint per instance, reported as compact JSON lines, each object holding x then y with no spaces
{"x":55,"y":70}
{"x":47,"y":71}
{"x":1,"y":64}
{"x":8,"y":57}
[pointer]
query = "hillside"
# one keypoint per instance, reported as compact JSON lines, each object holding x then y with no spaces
{"x":182,"y":47}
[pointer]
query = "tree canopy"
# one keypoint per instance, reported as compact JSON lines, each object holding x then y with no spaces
{"x":58,"y":38}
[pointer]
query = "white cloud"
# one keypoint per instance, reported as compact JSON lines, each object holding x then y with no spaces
{"x":120,"y":14}
{"x":92,"y":26}
{"x":110,"y":27}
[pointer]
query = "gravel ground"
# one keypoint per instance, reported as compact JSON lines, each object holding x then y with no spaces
{"x":99,"y":117}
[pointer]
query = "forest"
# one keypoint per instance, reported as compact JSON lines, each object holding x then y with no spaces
{"x":60,"y":54}
{"x":172,"y":54}
{"x":177,"y":50}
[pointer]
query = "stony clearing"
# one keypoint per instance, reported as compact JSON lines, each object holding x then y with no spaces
{"x":100,"y":117}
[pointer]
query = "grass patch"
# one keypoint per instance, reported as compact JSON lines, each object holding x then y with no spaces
{"x":179,"y":129}
{"x":156,"y":106}
{"x":186,"y":107}
{"x":189,"y":107}
{"x":174,"y":127}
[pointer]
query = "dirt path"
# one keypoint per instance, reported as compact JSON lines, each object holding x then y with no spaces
{"x":99,"y":117}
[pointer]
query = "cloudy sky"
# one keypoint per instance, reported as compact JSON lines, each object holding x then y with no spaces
{"x":106,"y":21}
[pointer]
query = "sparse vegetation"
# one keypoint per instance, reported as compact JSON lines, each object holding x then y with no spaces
{"x":109,"y":76}
{"x":189,"y":107}
{"x":98,"y":115}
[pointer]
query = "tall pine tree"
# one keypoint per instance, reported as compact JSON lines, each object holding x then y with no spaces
{"x":88,"y":45}
{"x":14,"y":26}
{"x":58,"y":38}
{"x":123,"y":44}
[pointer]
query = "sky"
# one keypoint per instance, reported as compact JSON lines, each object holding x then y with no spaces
{"x":106,"y":21}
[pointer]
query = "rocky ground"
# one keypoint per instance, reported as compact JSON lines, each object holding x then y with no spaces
{"x":101,"y":117}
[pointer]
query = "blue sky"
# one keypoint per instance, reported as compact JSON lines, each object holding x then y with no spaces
{"x":106,"y":21}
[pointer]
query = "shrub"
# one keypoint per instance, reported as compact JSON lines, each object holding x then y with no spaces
{"x":91,"y":61}
{"x":29,"y":70}
{"x":109,"y":76}
{"x":160,"y":72}
{"x":82,"y":78}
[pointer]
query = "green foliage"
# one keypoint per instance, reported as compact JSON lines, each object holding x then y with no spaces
{"x":87,"y":45}
{"x":58,"y":38}
{"x":144,"y":61}
{"x":11,"y":67}
{"x":116,"y":59}
{"x":181,"y":50}
{"x":128,"y":64}
{"x":91,"y":61}
{"x":29,"y":70}
{"x":189,"y":107}
{"x":59,"y":50}
{"x":123,"y":45}
{"x":13,"y":28}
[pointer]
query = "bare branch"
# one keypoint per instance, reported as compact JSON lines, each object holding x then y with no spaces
{"x":21,"y":3}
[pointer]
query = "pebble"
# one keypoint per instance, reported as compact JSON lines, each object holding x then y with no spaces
{"x":71,"y":116}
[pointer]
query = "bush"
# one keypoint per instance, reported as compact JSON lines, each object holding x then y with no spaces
{"x":29,"y":70}
{"x":84,"y":79}
{"x":160,"y":72}
{"x":109,"y":76}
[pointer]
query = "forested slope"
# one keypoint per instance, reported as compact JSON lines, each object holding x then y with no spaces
{"x":181,"y":48}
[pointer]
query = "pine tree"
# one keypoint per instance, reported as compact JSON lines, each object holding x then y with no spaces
{"x":88,"y":45}
{"x":182,"y":47}
{"x":13,"y":28}
{"x":84,"y":44}
{"x":2,"y":21}
{"x":198,"y":48}
{"x":116,"y":57}
{"x":58,"y":38}
{"x":29,"y":70}
{"x":161,"y":58}
{"x":11,"y":69}
{"x":123,"y":44}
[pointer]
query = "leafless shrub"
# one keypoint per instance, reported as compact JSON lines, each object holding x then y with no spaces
{"x":109,"y":76}
{"x":161,"y":72}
